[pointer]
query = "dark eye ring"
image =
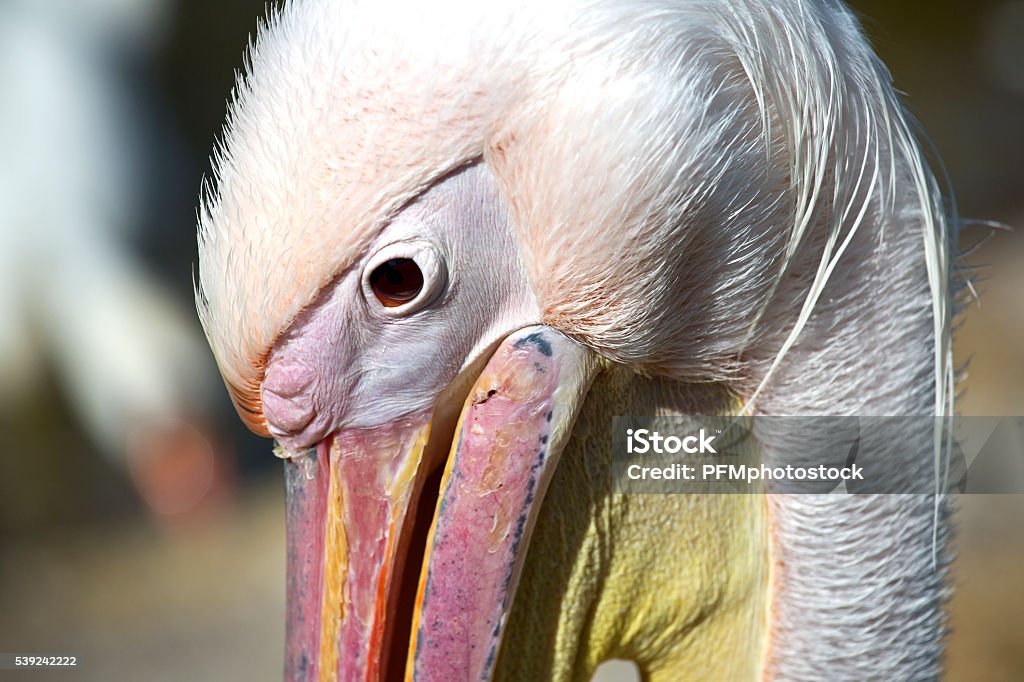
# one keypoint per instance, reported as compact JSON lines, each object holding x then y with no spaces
{"x":397,"y":281}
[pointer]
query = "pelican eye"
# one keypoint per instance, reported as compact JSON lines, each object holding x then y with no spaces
{"x":404,"y":277}
{"x":396,"y":282}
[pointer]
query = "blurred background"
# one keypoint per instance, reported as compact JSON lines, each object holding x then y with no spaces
{"x":141,"y":527}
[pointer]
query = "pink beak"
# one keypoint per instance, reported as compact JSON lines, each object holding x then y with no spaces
{"x":359,"y":544}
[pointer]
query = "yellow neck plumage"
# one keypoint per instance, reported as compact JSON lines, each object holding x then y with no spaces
{"x":676,"y":583}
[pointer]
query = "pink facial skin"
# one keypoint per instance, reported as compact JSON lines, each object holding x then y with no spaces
{"x":288,"y":397}
{"x":348,"y":362}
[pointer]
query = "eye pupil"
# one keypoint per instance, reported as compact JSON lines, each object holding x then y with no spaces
{"x":396,"y":281}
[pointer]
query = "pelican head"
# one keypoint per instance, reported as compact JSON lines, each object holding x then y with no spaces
{"x":449,"y":241}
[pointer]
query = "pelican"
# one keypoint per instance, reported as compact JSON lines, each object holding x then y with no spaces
{"x":448,"y":242}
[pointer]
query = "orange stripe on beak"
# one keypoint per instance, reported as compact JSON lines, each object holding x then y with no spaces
{"x":348,"y":526}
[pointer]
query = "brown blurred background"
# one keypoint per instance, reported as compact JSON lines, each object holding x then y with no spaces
{"x":146,"y":536}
